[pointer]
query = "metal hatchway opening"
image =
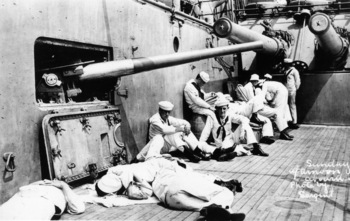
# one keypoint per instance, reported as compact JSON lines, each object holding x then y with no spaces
{"x":58,"y":63}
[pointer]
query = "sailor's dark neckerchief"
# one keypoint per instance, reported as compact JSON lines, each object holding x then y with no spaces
{"x":165,"y":122}
{"x":221,"y":126}
{"x":201,"y":95}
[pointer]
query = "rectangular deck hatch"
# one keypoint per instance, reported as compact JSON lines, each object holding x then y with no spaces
{"x":82,"y":144}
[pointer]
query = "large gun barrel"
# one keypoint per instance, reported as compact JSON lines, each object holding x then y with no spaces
{"x":331,"y":43}
{"x":114,"y":69}
{"x":225,"y":28}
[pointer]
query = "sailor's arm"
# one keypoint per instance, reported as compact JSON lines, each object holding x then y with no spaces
{"x":206,"y":130}
{"x":192,"y":93}
{"x":297,"y":79}
{"x":145,"y":186}
{"x":179,"y":124}
{"x":74,"y":203}
{"x":166,"y":129}
{"x":239,"y":119}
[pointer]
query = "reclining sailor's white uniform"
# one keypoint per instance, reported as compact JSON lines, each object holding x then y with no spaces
{"x":175,"y":186}
{"x":41,"y":201}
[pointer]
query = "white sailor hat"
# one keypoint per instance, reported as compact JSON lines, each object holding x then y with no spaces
{"x":204,"y":76}
{"x":288,"y":61}
{"x":221,"y":101}
{"x":109,"y":183}
{"x":254,"y":77}
{"x":166,"y":105}
{"x":268,"y":76}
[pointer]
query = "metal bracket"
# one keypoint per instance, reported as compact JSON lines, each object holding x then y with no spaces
{"x":86,"y":124}
{"x":71,"y":165}
{"x":119,"y":157}
{"x":93,"y":170}
{"x":110,"y":119}
{"x":123,"y":93}
{"x":57,"y":124}
{"x":9,"y":158}
{"x":56,"y":152}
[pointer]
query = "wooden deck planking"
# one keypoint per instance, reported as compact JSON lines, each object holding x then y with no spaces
{"x":346,"y":211}
{"x":312,"y":154}
{"x":272,"y":187}
{"x":321,"y":157}
{"x":265,"y":181}
{"x":276,"y":173}
{"x":330,"y":205}
{"x":342,"y":196}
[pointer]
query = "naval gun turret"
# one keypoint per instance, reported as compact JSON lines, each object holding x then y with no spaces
{"x":115,"y":69}
{"x":331,"y":48}
{"x":224,"y":28}
{"x":94,"y":78}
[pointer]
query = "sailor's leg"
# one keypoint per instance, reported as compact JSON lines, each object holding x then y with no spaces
{"x":292,"y":106}
{"x":267,"y":130}
{"x":194,"y":192}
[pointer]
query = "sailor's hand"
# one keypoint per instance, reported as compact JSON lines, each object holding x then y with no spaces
{"x":56,"y":183}
{"x":180,"y":129}
{"x":212,"y":108}
{"x":242,"y":136}
{"x":187,"y":130}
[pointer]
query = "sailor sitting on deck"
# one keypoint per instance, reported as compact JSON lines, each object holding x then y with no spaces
{"x":250,"y":110}
{"x":276,"y":105}
{"x":167,"y":134}
{"x":41,"y":201}
{"x":199,"y":101}
{"x":222,"y":131}
{"x":268,"y":77}
{"x":175,"y":184}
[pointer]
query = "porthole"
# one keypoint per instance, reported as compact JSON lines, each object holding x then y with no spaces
{"x":176,"y":44}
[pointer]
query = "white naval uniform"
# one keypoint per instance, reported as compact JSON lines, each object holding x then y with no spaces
{"x":292,"y":84}
{"x":277,"y":94}
{"x":175,"y":186}
{"x":164,"y":139}
{"x":39,"y":202}
{"x":248,"y":108}
{"x":231,"y":138}
{"x":184,"y":189}
{"x":249,"y":91}
{"x":195,"y":102}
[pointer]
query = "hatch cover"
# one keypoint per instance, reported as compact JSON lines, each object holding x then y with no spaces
{"x":82,"y":144}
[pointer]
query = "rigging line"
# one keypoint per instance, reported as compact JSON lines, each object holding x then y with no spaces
{"x":302,"y":38}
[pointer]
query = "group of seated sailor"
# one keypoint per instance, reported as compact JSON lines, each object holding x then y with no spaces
{"x":228,"y":122}
{"x":170,"y":179}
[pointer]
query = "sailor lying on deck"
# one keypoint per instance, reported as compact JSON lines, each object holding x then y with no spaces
{"x":224,"y":136}
{"x":167,"y":134}
{"x":174,"y":183}
{"x":41,"y":201}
